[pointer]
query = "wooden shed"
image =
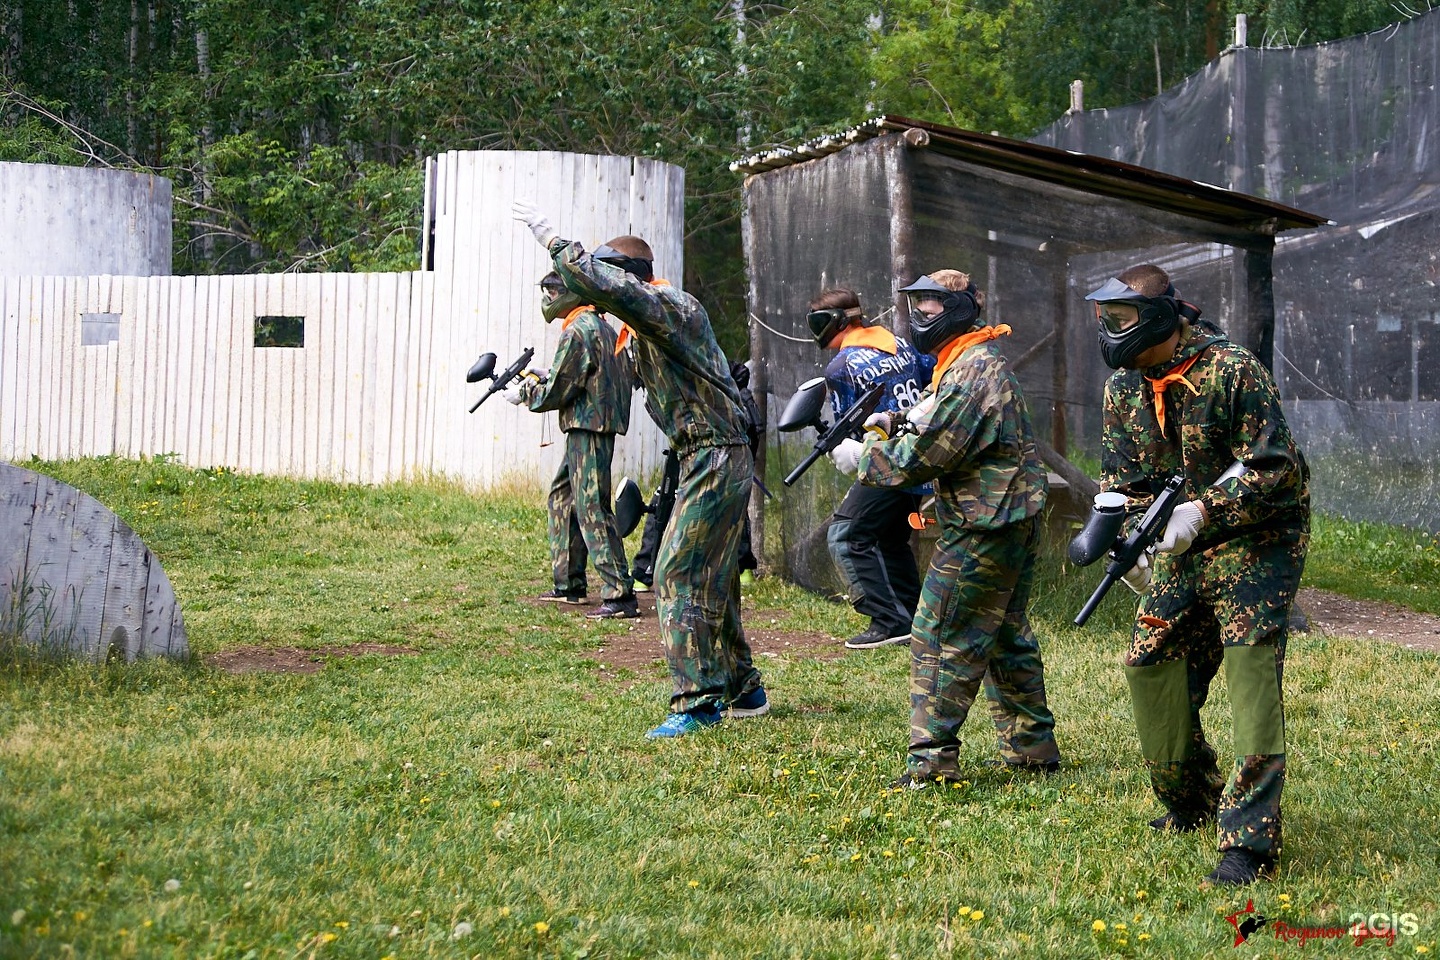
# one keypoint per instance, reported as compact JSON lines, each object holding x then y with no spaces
{"x":1036,"y":227}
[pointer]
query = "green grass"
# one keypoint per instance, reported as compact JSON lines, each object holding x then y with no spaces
{"x":496,"y":780}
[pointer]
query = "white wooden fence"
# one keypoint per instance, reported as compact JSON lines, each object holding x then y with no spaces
{"x":377,"y":391}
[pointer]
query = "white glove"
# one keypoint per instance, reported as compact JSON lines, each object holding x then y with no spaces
{"x":846,"y":456}
{"x":513,"y":394}
{"x":530,"y":215}
{"x":538,"y":374}
{"x":1138,"y":577}
{"x":1184,"y":526}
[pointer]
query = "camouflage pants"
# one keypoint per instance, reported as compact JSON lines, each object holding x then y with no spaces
{"x":582,"y":517}
{"x":971,"y":626}
{"x":697,"y":580}
{"x":1231,"y":605}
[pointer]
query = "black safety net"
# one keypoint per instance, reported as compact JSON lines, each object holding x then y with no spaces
{"x":1349,"y":130}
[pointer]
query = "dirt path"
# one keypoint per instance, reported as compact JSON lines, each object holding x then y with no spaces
{"x":1331,"y":613}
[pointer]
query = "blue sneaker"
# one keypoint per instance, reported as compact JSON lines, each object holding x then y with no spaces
{"x":680,"y":724}
{"x":752,"y":704}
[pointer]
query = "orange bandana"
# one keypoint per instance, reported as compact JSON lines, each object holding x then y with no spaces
{"x":570,"y":317}
{"x":625,"y":332}
{"x":876,"y":338}
{"x":1159,"y":385}
{"x":951,"y":351}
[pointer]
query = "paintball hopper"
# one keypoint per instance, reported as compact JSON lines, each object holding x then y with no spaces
{"x":481,"y":369}
{"x":804,"y":408}
{"x":1101,"y":529}
{"x":629,"y":507}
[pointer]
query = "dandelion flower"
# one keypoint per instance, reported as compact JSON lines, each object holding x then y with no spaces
{"x":869,"y":928}
{"x":1098,"y":926}
{"x":1422,"y":949}
{"x":494,"y":803}
{"x":328,"y":937}
{"x":542,"y":928}
{"x":1143,"y":936}
{"x":977,"y":915}
{"x":1121,"y":926}
{"x":694,"y":883}
{"x":1121,"y":940}
{"x":1141,"y":894}
{"x":1284,"y":897}
{"x":854,"y":857}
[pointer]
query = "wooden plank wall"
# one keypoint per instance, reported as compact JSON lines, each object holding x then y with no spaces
{"x":377,"y":393}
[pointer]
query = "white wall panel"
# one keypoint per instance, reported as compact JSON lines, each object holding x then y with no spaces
{"x":377,"y":392}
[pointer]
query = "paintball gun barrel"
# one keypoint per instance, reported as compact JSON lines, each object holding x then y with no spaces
{"x":484,"y":368}
{"x":803,"y":410}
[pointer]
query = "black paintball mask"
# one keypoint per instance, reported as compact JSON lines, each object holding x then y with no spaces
{"x":556,"y":300}
{"x":824,"y":324}
{"x":1129,"y":323}
{"x":959,"y":315}
{"x":636,"y":266}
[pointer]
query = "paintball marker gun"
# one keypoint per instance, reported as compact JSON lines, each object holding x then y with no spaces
{"x":484,"y":368}
{"x":1102,"y":531}
{"x":630,"y":505}
{"x":803,"y":411}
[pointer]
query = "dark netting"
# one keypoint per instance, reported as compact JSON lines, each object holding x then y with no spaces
{"x":1349,"y":130}
{"x":880,"y":212}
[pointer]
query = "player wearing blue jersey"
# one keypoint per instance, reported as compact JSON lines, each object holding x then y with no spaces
{"x":869,"y":535}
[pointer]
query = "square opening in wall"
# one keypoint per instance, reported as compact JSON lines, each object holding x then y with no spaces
{"x":279,"y":331}
{"x":98,"y":329}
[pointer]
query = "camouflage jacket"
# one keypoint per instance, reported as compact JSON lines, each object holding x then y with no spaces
{"x":975,"y":441}
{"x":589,"y":385}
{"x":688,"y":387}
{"x":1233,"y":414}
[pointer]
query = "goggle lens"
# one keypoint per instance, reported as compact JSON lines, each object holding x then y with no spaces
{"x":1117,"y":317}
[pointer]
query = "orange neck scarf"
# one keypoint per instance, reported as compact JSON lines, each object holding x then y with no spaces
{"x":1160,"y":384}
{"x":570,"y":317}
{"x":625,"y":332}
{"x":951,"y":351}
{"x":876,"y":338}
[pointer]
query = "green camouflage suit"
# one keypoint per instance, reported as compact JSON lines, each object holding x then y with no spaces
{"x":1227,"y":599}
{"x":976,"y":442}
{"x":590,"y":388}
{"x":690,"y":393}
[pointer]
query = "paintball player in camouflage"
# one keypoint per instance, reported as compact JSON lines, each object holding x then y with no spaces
{"x":970,"y":433}
{"x":588,"y":385}
{"x":1185,"y":400}
{"x":869,"y":535}
{"x":691,"y":394}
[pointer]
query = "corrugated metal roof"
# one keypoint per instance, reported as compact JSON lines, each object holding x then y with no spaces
{"x":1079,"y":171}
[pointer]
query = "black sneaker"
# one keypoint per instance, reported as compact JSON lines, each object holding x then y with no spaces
{"x":910,"y":780}
{"x":876,"y":637}
{"x":1180,"y":823}
{"x":621,"y":608}
{"x":1240,"y":868}
{"x":563,"y":596}
{"x":1044,"y":768}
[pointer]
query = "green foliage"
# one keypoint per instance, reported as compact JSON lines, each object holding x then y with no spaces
{"x":496,"y":777}
{"x":294,"y":130}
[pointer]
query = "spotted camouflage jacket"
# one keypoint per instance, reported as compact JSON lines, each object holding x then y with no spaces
{"x":1231,"y":411}
{"x":975,"y":441}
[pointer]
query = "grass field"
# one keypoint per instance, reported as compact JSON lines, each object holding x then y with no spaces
{"x":491,"y":795}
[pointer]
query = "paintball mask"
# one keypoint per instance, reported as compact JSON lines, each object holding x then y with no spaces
{"x":637,"y":266}
{"x":960,"y":312}
{"x":1130,"y":323}
{"x":556,"y":300}
{"x":824,"y":324}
